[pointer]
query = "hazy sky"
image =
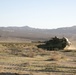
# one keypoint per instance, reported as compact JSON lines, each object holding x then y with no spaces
{"x":38,"y":13}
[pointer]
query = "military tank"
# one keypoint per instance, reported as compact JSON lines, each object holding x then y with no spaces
{"x":55,"y":43}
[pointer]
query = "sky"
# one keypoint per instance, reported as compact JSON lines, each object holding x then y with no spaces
{"x":45,"y":14}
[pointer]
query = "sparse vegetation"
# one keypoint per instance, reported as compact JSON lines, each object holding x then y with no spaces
{"x":27,"y":59}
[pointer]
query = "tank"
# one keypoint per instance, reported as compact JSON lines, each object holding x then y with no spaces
{"x":55,"y":43}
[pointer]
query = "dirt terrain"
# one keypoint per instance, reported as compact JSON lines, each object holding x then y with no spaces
{"x":27,"y":59}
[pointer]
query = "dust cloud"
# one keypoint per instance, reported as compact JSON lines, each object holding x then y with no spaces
{"x":72,"y":47}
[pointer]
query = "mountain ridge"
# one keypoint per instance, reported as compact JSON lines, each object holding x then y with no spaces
{"x":27,"y":32}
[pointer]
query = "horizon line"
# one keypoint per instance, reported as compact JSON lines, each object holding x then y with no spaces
{"x":38,"y":27}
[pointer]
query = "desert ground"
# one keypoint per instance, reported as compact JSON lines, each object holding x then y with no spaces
{"x":26,"y":59}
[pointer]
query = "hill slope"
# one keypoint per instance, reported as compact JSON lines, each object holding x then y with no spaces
{"x":36,"y":34}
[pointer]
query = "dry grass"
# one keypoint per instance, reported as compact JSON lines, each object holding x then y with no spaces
{"x":27,"y":59}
